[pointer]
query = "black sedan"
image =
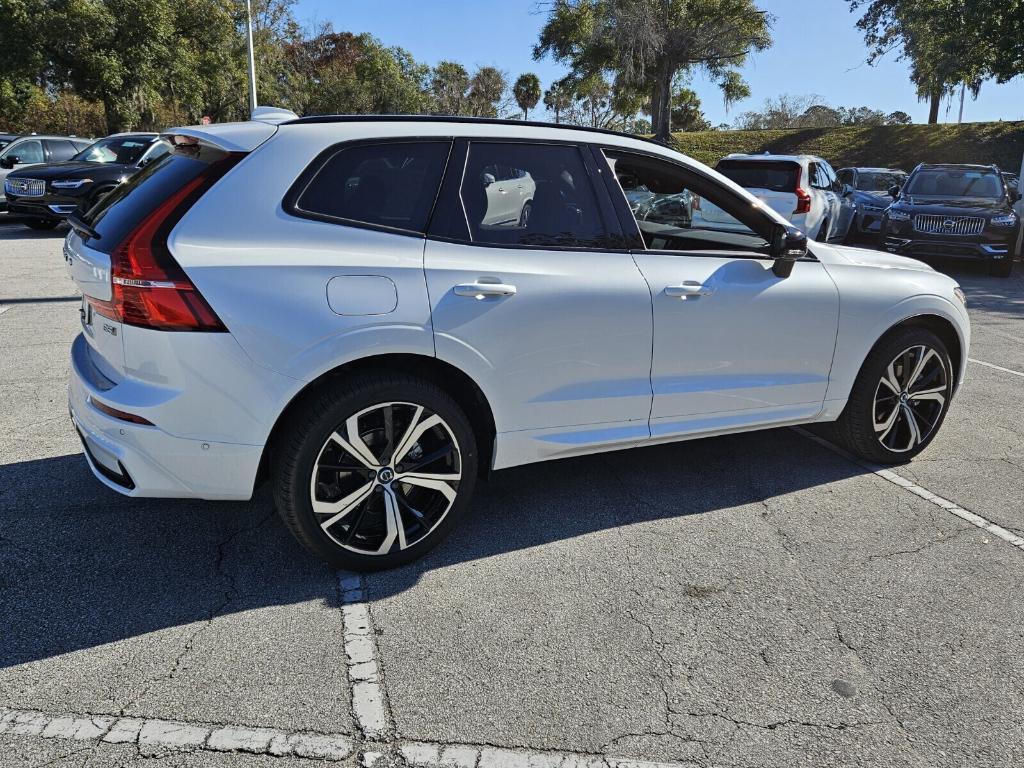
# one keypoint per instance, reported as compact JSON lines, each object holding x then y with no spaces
{"x":48,"y":194}
{"x":954,"y":210}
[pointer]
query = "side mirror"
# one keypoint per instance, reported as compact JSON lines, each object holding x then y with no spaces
{"x":487,"y":179}
{"x":894,"y":192}
{"x":7,"y":162}
{"x":847,"y":190}
{"x":788,"y":245}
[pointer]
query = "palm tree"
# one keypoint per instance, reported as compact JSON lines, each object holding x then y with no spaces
{"x":527,"y":92}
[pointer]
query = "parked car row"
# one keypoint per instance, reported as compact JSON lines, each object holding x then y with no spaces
{"x":953,"y":210}
{"x":46,"y":178}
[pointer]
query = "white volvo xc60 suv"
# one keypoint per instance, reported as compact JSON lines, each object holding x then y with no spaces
{"x":329,"y":304}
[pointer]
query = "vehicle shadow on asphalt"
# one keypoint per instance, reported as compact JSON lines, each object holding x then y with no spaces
{"x":81,"y":566}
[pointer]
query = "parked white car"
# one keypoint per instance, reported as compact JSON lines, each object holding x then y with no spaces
{"x":801,"y":188}
{"x":322,"y":302}
{"x":509,"y":196}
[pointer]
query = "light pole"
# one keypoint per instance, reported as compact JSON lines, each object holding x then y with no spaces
{"x":252,"y":59}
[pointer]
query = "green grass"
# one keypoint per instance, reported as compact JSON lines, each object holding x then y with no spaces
{"x":890,"y":146}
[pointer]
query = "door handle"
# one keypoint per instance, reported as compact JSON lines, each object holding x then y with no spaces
{"x":483,"y":290}
{"x":689,"y":289}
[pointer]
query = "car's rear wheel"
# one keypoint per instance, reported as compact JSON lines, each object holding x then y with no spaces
{"x":524,"y":215}
{"x":1001,"y":268}
{"x":900,"y":397}
{"x":41,"y":224}
{"x":374,"y":472}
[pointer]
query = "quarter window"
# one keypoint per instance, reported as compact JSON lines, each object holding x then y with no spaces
{"x":391,"y":185}
{"x":679,"y":210}
{"x":530,"y":195}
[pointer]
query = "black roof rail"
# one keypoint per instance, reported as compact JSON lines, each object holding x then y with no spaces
{"x":462,"y":119}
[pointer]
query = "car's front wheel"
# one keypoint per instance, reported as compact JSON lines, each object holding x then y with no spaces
{"x":900,"y":397}
{"x":374,"y":472}
{"x":1001,"y":267}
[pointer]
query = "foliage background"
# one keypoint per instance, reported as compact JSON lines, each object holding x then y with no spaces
{"x":894,"y":146}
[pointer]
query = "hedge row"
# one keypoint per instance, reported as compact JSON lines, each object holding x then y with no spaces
{"x":889,"y":146}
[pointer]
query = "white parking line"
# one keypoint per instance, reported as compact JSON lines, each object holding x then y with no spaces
{"x":4,"y":309}
{"x":950,"y":506}
{"x":179,"y":736}
{"x":996,"y":367}
{"x":369,"y":705}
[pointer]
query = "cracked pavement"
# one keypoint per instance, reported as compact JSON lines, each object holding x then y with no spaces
{"x":745,"y":601}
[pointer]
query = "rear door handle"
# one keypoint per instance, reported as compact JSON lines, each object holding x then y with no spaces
{"x":483,"y":290}
{"x":689,"y":289}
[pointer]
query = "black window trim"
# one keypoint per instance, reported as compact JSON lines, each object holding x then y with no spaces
{"x":630,"y":226}
{"x":291,"y":199}
{"x":451,"y":195}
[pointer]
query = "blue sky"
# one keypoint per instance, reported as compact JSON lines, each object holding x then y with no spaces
{"x":817,"y":50}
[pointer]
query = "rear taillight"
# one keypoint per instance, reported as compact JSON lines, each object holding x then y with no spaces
{"x":149,"y":288}
{"x":803,"y":201}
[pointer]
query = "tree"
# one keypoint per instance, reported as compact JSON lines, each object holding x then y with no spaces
{"x":558,"y":99}
{"x":947,"y":42}
{"x":898,"y":118}
{"x":784,"y":111}
{"x":448,"y":85}
{"x":647,"y":43}
{"x":486,"y":88}
{"x":527,"y":92}
{"x":686,"y":111}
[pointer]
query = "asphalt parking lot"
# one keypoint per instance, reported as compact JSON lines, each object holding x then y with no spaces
{"x":755,"y":600}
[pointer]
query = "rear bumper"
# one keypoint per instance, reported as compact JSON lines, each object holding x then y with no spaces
{"x":145,"y":461}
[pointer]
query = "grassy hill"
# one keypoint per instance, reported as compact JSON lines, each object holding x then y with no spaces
{"x":892,"y":146}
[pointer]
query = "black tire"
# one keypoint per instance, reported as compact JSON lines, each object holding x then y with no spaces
{"x":1001,"y":267}
{"x":41,"y":224}
{"x":96,"y":196}
{"x":870,"y":400}
{"x":305,"y":444}
{"x":524,"y":214}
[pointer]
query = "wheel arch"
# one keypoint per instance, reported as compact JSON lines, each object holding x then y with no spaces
{"x":466,"y":392}
{"x":941,"y":327}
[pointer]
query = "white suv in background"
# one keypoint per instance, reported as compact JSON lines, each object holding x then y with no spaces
{"x":801,"y":188}
{"x":337,"y":305}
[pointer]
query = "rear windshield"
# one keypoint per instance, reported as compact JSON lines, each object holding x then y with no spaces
{"x":950,"y":182}
{"x":117,"y":214}
{"x":759,"y":174}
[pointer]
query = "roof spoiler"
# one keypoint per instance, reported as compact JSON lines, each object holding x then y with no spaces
{"x":273,"y":115}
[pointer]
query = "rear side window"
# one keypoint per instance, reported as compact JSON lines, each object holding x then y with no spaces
{"x":118,"y":213}
{"x":61,"y":150}
{"x":754,"y":174}
{"x":531,"y":195}
{"x":390,"y":185}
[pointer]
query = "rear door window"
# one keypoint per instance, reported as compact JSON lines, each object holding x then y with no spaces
{"x":524,"y":194}
{"x":760,"y":174}
{"x":60,"y":150}
{"x":390,"y":185}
